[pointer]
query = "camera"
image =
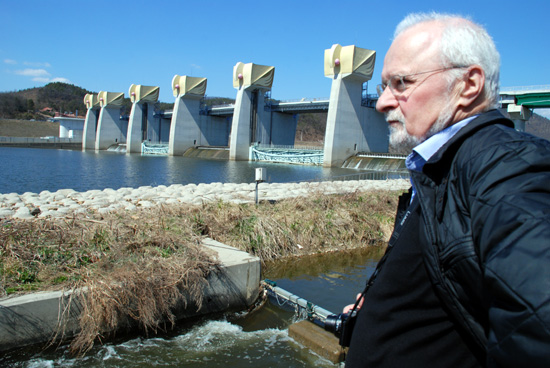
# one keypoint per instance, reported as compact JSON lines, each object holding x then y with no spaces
{"x":341,"y":325}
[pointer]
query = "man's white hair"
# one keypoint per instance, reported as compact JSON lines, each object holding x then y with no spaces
{"x":463,"y":43}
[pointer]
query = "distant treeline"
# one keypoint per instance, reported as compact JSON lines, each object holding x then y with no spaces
{"x":63,"y":98}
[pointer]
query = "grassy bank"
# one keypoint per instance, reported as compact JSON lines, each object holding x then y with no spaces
{"x":26,"y":128}
{"x":150,"y":258}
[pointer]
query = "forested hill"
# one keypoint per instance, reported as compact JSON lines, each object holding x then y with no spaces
{"x":539,"y":126}
{"x":26,"y":104}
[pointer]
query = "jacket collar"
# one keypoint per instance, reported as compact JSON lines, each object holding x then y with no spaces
{"x":485,"y":119}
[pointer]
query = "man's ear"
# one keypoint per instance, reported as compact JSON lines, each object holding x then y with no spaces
{"x":472,"y":87}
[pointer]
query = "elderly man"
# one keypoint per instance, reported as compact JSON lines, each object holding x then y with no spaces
{"x":465,"y":281}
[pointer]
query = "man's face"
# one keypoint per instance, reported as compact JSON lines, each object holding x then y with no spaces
{"x":426,"y":106}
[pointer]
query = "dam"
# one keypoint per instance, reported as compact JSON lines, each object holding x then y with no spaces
{"x":253,"y":122}
{"x":257,"y":126}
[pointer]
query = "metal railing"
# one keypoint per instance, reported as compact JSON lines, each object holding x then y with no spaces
{"x":288,"y":147}
{"x":367,"y":175}
{"x":154,"y":148}
{"x":287,"y":154}
{"x":381,"y":155}
{"x":505,"y":90}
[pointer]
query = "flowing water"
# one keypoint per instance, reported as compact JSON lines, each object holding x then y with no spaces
{"x":257,"y":339}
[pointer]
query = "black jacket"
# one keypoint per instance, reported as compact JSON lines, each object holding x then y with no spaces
{"x":485,"y":198}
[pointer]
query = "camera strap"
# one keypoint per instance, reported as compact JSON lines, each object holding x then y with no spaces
{"x":404,"y":211}
{"x":404,"y":201}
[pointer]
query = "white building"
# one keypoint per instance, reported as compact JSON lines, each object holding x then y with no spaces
{"x":70,"y":127}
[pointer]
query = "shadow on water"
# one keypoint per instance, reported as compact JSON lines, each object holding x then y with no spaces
{"x":255,"y":339}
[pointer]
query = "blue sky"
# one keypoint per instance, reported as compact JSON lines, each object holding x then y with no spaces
{"x":108,"y":45}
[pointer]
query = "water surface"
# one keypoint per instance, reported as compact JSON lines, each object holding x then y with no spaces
{"x":34,"y":170}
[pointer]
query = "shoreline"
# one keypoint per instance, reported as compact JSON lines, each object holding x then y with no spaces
{"x":66,"y":202}
{"x":103,"y":248}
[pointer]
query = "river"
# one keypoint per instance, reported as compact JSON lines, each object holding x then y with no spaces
{"x":34,"y":170}
{"x":252,"y":340}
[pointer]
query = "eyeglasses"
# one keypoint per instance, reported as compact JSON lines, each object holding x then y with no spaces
{"x":400,"y":83}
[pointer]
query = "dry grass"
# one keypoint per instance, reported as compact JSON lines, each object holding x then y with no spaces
{"x":143,"y":293}
{"x":317,"y":224}
{"x":125,"y":269}
{"x":136,"y":266}
{"x":26,"y":128}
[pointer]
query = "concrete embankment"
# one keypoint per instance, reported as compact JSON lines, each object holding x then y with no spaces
{"x":35,"y":318}
{"x":317,"y":339}
{"x":76,"y":146}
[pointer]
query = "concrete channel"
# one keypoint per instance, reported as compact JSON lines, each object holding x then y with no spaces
{"x":34,"y":318}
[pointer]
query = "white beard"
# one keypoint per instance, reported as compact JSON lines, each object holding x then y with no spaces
{"x":402,"y":142}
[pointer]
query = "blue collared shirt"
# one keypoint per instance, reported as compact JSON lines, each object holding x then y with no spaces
{"x":425,"y":150}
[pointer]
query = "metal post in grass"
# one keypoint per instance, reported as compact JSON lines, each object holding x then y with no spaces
{"x":260,"y":176}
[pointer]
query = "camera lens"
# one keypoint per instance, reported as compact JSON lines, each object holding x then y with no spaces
{"x":333,"y":323}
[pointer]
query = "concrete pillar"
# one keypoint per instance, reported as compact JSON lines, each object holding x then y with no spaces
{"x":249,"y":117}
{"x":110,"y":129}
{"x":351,"y":127}
{"x":185,"y":125}
{"x":141,"y":115}
{"x":135,"y":129}
{"x":519,"y":115}
{"x":240,"y":126}
{"x":90,"y":123}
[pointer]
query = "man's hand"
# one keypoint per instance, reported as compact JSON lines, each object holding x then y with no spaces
{"x":348,"y":308}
